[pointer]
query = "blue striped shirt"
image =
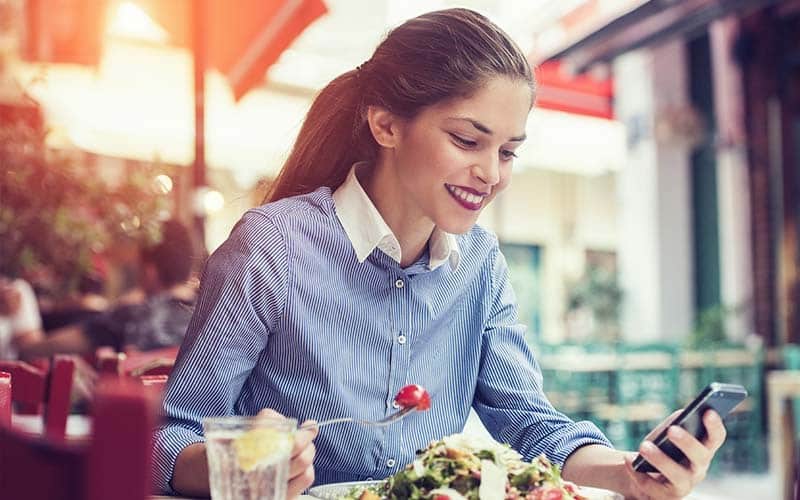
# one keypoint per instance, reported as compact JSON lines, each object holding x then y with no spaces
{"x":289,"y":318}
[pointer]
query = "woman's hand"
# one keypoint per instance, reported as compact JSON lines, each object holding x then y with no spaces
{"x":301,"y":466}
{"x":676,"y":480}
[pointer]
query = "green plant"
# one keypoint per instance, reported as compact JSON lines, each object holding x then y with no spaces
{"x":598,"y":292}
{"x":56,"y":212}
{"x":710,"y":330}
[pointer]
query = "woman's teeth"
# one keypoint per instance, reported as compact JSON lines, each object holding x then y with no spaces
{"x":468,"y":197}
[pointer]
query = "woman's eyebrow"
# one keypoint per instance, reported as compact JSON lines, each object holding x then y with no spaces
{"x":483,"y":128}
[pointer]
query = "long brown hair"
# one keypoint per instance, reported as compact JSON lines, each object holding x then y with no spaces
{"x":428,"y":59}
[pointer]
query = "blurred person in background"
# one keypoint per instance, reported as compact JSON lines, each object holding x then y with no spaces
{"x":89,"y":301}
{"x":159,"y":321}
{"x":20,"y":322}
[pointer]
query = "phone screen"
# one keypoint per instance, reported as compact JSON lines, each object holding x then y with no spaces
{"x":719,"y":397}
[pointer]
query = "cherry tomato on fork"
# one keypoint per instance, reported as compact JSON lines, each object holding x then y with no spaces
{"x":413,"y":396}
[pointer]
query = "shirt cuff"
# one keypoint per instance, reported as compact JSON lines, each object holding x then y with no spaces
{"x":168,"y":442}
{"x":588,"y":434}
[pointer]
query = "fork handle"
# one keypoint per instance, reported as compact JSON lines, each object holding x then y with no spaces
{"x":326,"y":422}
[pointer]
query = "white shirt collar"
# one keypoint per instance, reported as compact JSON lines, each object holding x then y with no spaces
{"x":367,"y":230}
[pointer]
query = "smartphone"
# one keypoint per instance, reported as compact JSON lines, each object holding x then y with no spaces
{"x":716,"y":396}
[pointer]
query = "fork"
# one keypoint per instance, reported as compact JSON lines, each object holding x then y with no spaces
{"x":394,"y":417}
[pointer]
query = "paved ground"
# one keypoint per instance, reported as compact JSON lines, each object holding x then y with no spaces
{"x":739,"y":487}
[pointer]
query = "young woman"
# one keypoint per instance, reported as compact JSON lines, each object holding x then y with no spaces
{"x":365,"y":271}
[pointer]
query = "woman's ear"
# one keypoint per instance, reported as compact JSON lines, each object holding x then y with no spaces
{"x":384,"y":126}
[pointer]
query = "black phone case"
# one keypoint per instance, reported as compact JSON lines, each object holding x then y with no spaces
{"x":716,"y":396}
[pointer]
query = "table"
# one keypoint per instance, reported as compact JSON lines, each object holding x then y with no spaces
{"x":160,"y":497}
{"x":782,"y":387}
{"x":78,"y":426}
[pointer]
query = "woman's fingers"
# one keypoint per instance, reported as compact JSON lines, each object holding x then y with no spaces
{"x":303,"y":437}
{"x":715,"y":429}
{"x":269,"y":413}
{"x":676,"y":479}
{"x":303,"y":451}
{"x":674,"y":473}
{"x":655,"y":432}
{"x":301,"y":464}
{"x":302,"y":461}
{"x":698,"y":454}
{"x":300,"y":483}
{"x":646,"y":486}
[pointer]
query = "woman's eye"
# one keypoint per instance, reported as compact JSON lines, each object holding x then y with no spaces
{"x":464,"y":142}
{"x":507,"y":154}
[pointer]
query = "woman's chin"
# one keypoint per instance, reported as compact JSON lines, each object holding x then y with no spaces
{"x":458,"y":227}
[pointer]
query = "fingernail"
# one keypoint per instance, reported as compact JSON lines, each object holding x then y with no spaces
{"x":647,"y":447}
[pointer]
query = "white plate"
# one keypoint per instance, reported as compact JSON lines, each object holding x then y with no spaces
{"x":337,"y":490}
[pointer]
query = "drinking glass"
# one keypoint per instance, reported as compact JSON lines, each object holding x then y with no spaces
{"x":248,"y":457}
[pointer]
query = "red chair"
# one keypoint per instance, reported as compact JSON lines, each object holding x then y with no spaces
{"x":153,"y":380}
{"x":153,"y":368}
{"x":33,"y":389}
{"x":5,"y":398}
{"x":29,"y":386}
{"x":154,"y":385}
{"x":108,"y":361}
{"x":113,"y":463}
{"x":155,"y":362}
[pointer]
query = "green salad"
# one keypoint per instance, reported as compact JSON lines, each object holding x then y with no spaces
{"x":458,"y":468}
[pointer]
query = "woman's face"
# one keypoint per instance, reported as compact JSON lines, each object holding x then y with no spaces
{"x":453,"y":158}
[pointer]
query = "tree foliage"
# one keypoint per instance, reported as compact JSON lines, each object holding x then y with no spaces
{"x":55,"y":212}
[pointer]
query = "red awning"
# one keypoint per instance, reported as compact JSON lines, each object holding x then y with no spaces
{"x":580,"y":94}
{"x":243,"y":37}
{"x":64,"y":31}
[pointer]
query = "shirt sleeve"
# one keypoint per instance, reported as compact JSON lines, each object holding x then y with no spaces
{"x":509,"y":397}
{"x":27,"y":317}
{"x":243,"y":293}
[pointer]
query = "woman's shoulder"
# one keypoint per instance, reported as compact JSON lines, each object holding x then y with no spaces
{"x":272,"y":225}
{"x":319,"y":201}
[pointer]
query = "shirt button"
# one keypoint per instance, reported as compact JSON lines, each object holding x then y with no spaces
{"x":401,"y":339}
{"x":390,"y":463}
{"x":399,"y":283}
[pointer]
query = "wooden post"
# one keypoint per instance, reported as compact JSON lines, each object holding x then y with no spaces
{"x":199,"y":52}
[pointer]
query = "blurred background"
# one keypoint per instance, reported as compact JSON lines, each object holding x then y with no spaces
{"x":651,"y":227}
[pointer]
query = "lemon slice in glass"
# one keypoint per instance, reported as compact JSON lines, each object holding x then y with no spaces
{"x":262,"y":446}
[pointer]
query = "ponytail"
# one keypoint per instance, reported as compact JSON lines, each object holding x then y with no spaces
{"x":334,"y":135}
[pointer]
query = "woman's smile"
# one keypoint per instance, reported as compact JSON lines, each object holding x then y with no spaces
{"x":466,"y":197}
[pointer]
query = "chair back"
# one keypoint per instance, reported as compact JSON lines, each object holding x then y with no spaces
{"x":108,"y":361}
{"x":114,"y":463}
{"x":5,"y":398}
{"x":32,"y":390}
{"x":59,"y":394}
{"x":153,"y":367}
{"x":155,"y":362}
{"x":29,"y":386}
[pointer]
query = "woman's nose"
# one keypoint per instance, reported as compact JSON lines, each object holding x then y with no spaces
{"x":488,"y":171}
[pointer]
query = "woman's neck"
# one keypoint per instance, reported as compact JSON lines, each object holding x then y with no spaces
{"x":411,"y":228}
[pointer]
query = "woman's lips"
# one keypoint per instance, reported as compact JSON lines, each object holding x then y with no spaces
{"x":466,"y":197}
